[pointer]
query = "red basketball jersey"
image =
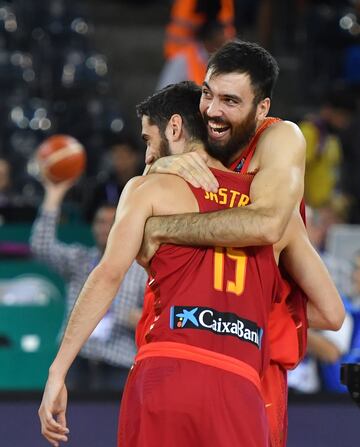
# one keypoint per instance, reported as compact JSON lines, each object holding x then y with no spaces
{"x":216,"y":299}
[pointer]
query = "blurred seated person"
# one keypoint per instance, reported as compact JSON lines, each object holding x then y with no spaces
{"x":320,"y":370}
{"x":318,"y":223}
{"x":122,"y":162}
{"x":323,"y":347}
{"x":190,"y":63}
{"x":324,"y":150}
{"x":105,"y":359}
{"x":330,"y":370}
{"x":326,"y":347}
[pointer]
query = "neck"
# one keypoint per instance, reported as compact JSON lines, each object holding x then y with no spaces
{"x":199,"y":147}
{"x":195,"y":146}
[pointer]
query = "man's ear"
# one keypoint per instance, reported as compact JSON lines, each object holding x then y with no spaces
{"x":262,"y":109}
{"x":174,"y":128}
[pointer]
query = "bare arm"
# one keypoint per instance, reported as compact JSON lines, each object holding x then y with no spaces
{"x":94,"y":300}
{"x":325,"y":309}
{"x":275,"y":191}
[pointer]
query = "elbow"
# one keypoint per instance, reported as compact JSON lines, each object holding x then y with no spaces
{"x":107,"y":273}
{"x":335,"y":321}
{"x":272,"y":231}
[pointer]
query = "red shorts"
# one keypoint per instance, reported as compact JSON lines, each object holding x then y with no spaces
{"x":176,"y":402}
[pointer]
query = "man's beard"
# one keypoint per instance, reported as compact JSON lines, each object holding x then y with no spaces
{"x":241,"y":135}
{"x":164,"y":148}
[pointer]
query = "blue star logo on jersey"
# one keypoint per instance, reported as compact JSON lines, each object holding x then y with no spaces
{"x":181,"y":316}
{"x":188,"y":315}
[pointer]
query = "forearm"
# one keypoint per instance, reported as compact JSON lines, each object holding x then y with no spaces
{"x":236,"y":227}
{"x":91,"y":305}
{"x":43,"y":233}
{"x":43,"y":237}
{"x":325,"y":309}
{"x":317,"y":318}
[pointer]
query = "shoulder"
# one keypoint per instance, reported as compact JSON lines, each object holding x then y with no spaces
{"x":158,"y":191}
{"x":283,"y":130}
{"x":154,"y":181}
{"x":283,"y":139}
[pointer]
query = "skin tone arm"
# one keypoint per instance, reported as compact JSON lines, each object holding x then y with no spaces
{"x":93,"y":302}
{"x":325,"y":309}
{"x":275,"y":191}
{"x":141,"y":198}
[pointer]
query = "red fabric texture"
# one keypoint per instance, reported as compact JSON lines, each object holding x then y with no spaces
{"x":164,"y":406}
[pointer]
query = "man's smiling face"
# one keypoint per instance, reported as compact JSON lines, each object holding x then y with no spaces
{"x":227,"y":106}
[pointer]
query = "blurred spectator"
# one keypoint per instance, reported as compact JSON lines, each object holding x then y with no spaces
{"x":355,"y":277}
{"x":105,"y":360}
{"x":123,"y":162}
{"x":190,"y":63}
{"x":325,"y":346}
{"x":324,"y":151}
{"x":330,"y":370}
{"x":319,"y":221}
{"x":187,"y":17}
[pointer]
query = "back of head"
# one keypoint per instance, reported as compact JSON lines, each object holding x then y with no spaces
{"x":182,"y":99}
{"x":246,"y":57}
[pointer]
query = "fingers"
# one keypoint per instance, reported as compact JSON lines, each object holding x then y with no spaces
{"x":205,"y":176}
{"x":62,"y":421}
{"x":191,"y":167}
{"x":53,"y":437}
{"x":52,"y":430}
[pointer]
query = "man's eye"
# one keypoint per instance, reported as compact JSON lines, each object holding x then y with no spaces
{"x":206,"y":93}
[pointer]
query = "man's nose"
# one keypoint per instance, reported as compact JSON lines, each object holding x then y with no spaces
{"x":214,"y":109}
{"x":151,"y":155}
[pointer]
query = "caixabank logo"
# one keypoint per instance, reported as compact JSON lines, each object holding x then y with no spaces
{"x":221,"y":323}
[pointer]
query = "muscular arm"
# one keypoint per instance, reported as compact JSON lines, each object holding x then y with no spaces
{"x":94,"y":300}
{"x":325,"y":309}
{"x":104,"y":281}
{"x":275,"y":190}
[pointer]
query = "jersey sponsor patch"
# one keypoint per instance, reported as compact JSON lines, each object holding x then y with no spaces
{"x":221,"y":323}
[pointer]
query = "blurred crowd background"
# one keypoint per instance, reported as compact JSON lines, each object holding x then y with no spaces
{"x":79,"y":67}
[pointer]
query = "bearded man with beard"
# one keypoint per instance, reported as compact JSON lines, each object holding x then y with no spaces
{"x":235,"y":101}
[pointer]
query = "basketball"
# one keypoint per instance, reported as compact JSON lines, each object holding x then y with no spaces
{"x":60,"y":158}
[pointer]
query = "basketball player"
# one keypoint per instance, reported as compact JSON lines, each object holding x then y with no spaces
{"x":300,"y":258}
{"x":182,"y":371}
{"x":235,"y":102}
